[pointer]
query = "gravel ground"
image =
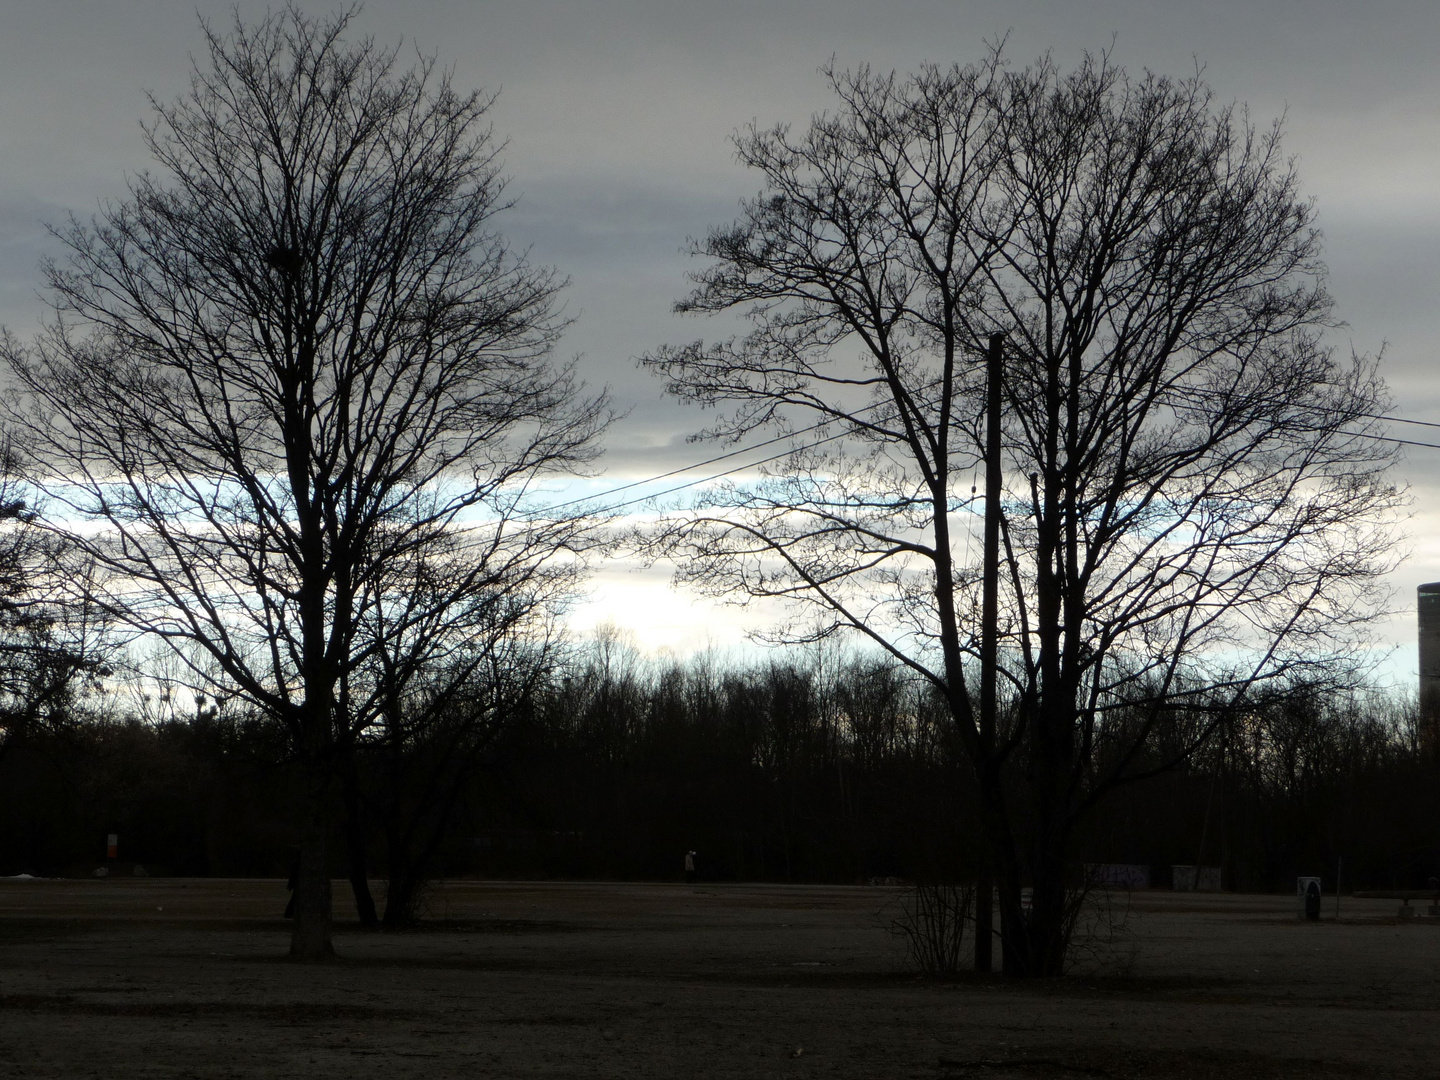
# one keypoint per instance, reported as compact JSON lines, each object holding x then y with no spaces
{"x":160,"y":977}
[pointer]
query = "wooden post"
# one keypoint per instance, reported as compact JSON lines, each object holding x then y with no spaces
{"x":989,"y":633}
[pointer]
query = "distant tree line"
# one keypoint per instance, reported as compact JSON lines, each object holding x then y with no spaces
{"x":802,"y":767}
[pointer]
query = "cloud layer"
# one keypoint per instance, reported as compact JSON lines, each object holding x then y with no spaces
{"x":619,"y":115}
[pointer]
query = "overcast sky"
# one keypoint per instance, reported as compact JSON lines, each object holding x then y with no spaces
{"x":618,"y":117}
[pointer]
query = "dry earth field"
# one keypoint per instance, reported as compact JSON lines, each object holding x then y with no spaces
{"x":187,"y":978}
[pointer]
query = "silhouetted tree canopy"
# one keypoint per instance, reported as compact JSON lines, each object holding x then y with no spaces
{"x":1193,"y":501}
{"x":297,"y":391}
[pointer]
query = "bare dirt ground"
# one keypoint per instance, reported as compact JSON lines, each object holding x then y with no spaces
{"x":187,"y":978}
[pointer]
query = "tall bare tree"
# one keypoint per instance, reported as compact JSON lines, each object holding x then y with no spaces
{"x":1192,"y":504}
{"x":297,"y":359}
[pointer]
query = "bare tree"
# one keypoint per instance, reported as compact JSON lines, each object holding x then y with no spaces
{"x":1192,"y":503}
{"x":300,"y":359}
{"x":49,"y":649}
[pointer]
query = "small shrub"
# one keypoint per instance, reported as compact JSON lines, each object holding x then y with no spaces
{"x":931,"y":921}
{"x":1101,"y":932}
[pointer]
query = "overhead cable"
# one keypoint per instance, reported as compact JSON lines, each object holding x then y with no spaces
{"x":791,"y":449}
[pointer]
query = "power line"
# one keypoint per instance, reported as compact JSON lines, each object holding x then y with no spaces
{"x":832,"y":438}
{"x":692,"y":468}
{"x":787,"y":437}
{"x":1358,"y":415}
{"x":1402,"y":420}
{"x":1393,"y":439}
{"x":807,"y":446}
{"x":720,"y":475}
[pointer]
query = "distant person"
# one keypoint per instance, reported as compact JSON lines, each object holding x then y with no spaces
{"x":690,"y":868}
{"x":293,"y":882}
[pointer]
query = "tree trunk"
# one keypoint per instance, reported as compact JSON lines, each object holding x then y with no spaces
{"x":405,"y":875}
{"x":400,"y":898}
{"x":402,"y":880}
{"x":1049,"y":921}
{"x":310,"y":932}
{"x":409,"y":859}
{"x":355,"y":849}
{"x":1035,"y":941}
{"x":984,"y":919}
{"x":1014,"y":941}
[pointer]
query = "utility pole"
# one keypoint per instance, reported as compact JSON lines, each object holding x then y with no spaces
{"x":989,"y":633}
